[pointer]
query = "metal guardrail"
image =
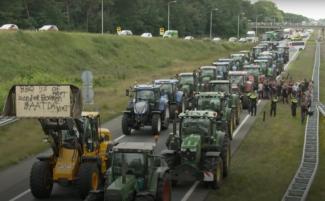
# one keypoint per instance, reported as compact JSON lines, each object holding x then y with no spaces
{"x":7,"y":120}
{"x":285,"y":24}
{"x":304,"y":177}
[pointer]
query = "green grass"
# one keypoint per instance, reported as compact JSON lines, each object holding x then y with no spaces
{"x":116,"y":62}
{"x":317,"y":191}
{"x":269,"y":156}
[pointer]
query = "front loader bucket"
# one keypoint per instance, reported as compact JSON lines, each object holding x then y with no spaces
{"x":43,"y":101}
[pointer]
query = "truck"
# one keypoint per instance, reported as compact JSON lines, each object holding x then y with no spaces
{"x":251,"y":37}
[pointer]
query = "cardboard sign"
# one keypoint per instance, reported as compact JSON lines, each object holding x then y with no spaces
{"x":43,"y":101}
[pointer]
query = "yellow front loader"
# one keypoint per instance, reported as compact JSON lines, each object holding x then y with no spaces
{"x":79,"y":146}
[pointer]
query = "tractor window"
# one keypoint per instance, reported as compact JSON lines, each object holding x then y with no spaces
{"x":166,"y":88}
{"x":221,"y":87}
{"x":134,"y":163}
{"x":145,"y":95}
{"x":195,"y":126}
{"x":207,"y":72}
{"x":236,"y":79}
{"x":188,"y":79}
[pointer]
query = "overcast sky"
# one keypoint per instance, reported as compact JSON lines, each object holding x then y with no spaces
{"x":310,"y":8}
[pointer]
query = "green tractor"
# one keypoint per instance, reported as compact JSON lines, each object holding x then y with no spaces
{"x":200,"y":150}
{"x":233,"y":98}
{"x":220,"y":103}
{"x":136,"y":174}
{"x":188,"y":85}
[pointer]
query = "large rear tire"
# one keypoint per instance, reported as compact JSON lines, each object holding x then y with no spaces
{"x":156,"y":124}
{"x":89,"y":178}
{"x":41,"y":180}
{"x":125,"y":125}
{"x":226,"y":156}
{"x":218,"y":175}
{"x":164,"y":189}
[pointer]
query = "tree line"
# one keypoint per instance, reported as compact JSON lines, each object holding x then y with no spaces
{"x":189,"y":17}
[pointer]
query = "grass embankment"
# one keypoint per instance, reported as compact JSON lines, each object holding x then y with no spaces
{"x":317,"y":191}
{"x":116,"y":62}
{"x":269,"y":156}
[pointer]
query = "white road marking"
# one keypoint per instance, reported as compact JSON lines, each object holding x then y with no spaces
{"x":20,"y":195}
{"x":28,"y":190}
{"x":189,"y":192}
{"x":244,"y":121}
{"x":119,"y":138}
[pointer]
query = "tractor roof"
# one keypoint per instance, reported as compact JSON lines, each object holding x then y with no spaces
{"x":186,"y":74}
{"x":221,"y":63}
{"x":219,"y":81}
{"x":145,"y":86}
{"x":260,"y":60}
{"x":251,"y":66}
{"x":207,"y":67}
{"x":237,"y":73}
{"x":166,"y":81}
{"x":198,"y":114}
{"x":209,"y":94}
{"x":238,"y":55}
{"x":134,"y":147}
{"x":225,"y":59}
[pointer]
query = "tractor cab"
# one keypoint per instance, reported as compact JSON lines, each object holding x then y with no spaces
{"x":187,"y":82}
{"x":136,"y":173}
{"x":222,"y":69}
{"x":247,"y":54}
{"x":283,"y":52}
{"x":239,"y":59}
{"x":207,"y":73}
{"x":222,"y":86}
{"x":238,"y":80}
{"x":266,"y":67}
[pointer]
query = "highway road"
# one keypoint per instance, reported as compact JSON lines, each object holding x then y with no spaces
{"x":14,"y":183}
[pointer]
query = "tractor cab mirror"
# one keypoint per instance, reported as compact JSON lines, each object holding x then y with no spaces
{"x":127,"y":92}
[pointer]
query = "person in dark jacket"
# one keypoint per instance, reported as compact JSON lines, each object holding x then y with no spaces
{"x":274,"y":102}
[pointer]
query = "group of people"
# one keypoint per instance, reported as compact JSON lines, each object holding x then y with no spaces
{"x":297,"y":93}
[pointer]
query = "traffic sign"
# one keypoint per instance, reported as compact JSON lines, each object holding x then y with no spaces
{"x":87,"y":87}
{"x":161,"y":31}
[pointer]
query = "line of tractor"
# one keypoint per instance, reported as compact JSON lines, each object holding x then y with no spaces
{"x":204,"y":107}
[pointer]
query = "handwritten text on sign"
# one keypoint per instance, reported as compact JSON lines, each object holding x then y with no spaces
{"x":43,"y":101}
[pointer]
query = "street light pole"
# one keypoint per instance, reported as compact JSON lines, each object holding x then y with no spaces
{"x":169,"y":13}
{"x":211,"y":19}
{"x":102,"y":17}
{"x":238,"y":27}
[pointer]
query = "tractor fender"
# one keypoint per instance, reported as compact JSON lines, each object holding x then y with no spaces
{"x":44,"y":158}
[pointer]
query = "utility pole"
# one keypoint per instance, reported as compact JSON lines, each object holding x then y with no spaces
{"x":238,"y":27}
{"x":169,"y":13}
{"x":102,"y":17}
{"x":211,"y":19}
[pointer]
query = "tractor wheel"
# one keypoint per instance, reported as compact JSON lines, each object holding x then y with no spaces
{"x":230,"y":128}
{"x":144,"y":198}
{"x":89,"y":178}
{"x":165,"y":125}
{"x":41,"y":179}
{"x":172,"y":111}
{"x":156,"y":124}
{"x":164,"y":189}
{"x":125,"y":125}
{"x":226,"y":156}
{"x":218,"y":174}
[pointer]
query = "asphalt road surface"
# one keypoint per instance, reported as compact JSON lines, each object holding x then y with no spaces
{"x":14,"y":181}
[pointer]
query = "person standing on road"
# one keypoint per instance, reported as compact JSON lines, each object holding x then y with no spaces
{"x":274,"y":102}
{"x":294,"y":103}
{"x":260,"y":90}
{"x":285,"y":94}
{"x":253,"y":103}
